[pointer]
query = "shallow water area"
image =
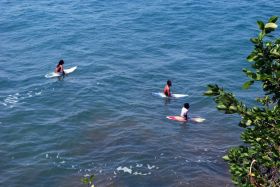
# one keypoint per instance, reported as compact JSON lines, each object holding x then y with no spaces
{"x":103,"y":118}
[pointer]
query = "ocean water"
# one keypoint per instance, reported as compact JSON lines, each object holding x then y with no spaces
{"x":103,"y":119}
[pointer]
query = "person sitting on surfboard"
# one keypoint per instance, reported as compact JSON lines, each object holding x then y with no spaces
{"x":166,"y":90}
{"x":59,"y":67}
{"x":185,"y":110}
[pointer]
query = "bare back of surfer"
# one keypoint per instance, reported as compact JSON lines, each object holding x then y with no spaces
{"x":167,"y":87}
{"x":59,"y":67}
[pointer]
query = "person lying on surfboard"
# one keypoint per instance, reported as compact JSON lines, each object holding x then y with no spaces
{"x":184,"y":116}
{"x":59,"y":67}
{"x":166,"y":90}
{"x":185,"y":110}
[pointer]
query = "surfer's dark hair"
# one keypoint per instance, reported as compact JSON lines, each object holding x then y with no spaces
{"x":61,"y":62}
{"x":187,"y":105}
{"x":169,"y":82}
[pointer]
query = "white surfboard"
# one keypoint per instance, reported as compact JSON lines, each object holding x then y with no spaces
{"x":160,"y":94}
{"x":182,"y":119}
{"x":67,"y":71}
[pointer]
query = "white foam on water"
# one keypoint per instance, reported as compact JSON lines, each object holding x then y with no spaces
{"x":140,"y":173}
{"x":38,"y":93}
{"x":201,"y":161}
{"x":136,"y":171}
{"x":139,"y":165}
{"x":12,"y":99}
{"x":124,"y":169}
{"x":151,"y":167}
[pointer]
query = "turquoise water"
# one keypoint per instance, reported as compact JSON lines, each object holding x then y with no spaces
{"x":103,"y":119}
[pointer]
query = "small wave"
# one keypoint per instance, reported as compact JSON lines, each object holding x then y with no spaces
{"x":137,"y":170}
{"x":139,"y":165}
{"x":38,"y":93}
{"x":139,"y":173}
{"x":201,"y":161}
{"x":13,"y":99}
{"x":151,"y":167}
{"x":61,"y":162}
{"x":124,"y":169}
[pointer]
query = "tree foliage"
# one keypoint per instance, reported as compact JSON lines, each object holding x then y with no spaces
{"x":88,"y":180}
{"x":257,"y":161}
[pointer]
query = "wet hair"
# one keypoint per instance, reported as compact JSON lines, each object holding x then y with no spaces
{"x":61,"y":62}
{"x":187,"y":105}
{"x":169,"y":83}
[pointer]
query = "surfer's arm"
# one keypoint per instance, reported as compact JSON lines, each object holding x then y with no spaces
{"x":166,"y":91}
{"x":62,"y":70}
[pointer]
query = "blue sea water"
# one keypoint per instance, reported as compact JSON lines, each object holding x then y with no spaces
{"x":103,"y":119}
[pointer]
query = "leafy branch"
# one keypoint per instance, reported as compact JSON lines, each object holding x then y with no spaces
{"x":257,"y":161}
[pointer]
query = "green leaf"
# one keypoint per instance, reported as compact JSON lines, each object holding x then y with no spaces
{"x":268,"y":30}
{"x":273,"y":19}
{"x":221,"y":107}
{"x":277,"y":41}
{"x":261,"y":25}
{"x":233,"y":108}
{"x":258,"y":76}
{"x":258,"y":139}
{"x":252,"y":57}
{"x":265,"y":157}
{"x":247,"y":84}
{"x":268,"y":44}
{"x":226,"y":157}
{"x":85,"y":180}
{"x":208,"y":93}
{"x":270,"y":26}
{"x":254,"y":40}
{"x":261,"y":35}
{"x":248,"y":122}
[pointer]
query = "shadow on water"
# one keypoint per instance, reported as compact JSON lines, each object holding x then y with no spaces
{"x":167,"y":101}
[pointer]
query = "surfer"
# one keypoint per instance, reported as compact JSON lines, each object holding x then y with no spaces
{"x":59,"y":67}
{"x":185,"y":110}
{"x":166,"y":90}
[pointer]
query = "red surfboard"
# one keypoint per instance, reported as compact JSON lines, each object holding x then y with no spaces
{"x":182,"y":119}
